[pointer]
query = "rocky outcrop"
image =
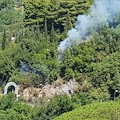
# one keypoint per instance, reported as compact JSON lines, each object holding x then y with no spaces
{"x":48,"y":91}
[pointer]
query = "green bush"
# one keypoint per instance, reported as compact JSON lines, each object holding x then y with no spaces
{"x":95,"y":111}
{"x":10,"y":109}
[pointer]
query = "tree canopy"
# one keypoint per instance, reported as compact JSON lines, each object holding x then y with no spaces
{"x":55,"y":11}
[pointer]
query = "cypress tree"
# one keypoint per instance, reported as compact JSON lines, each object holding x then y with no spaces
{"x":52,"y":34}
{"x":4,"y":42}
{"x":38,"y":28}
{"x":65,"y":32}
{"x":38,"y":33}
{"x":68,"y":22}
{"x":33,"y":31}
{"x":45,"y":28}
{"x":68,"y":25}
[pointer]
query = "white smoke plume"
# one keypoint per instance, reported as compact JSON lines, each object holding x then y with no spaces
{"x":101,"y":11}
{"x":25,"y":68}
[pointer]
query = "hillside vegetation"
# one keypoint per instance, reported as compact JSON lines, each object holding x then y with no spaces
{"x":32,"y":58}
{"x":10,"y":109}
{"x":11,"y":16}
{"x":55,"y":11}
{"x":38,"y":26}
{"x":96,"y":111}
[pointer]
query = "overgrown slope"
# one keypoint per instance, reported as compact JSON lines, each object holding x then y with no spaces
{"x":95,"y":111}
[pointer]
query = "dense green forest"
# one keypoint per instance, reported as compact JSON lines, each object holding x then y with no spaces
{"x":38,"y":27}
{"x":34,"y":52}
{"x":56,"y":12}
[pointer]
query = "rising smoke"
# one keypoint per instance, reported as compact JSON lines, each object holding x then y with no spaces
{"x":25,"y":68}
{"x":100,"y":12}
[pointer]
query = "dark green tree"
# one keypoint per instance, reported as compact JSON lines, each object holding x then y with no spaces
{"x":45,"y":28}
{"x":52,"y":34}
{"x":4,"y":41}
{"x":68,"y":21}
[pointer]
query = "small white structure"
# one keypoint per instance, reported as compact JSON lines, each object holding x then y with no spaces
{"x":12,"y":39}
{"x":16,"y":89}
